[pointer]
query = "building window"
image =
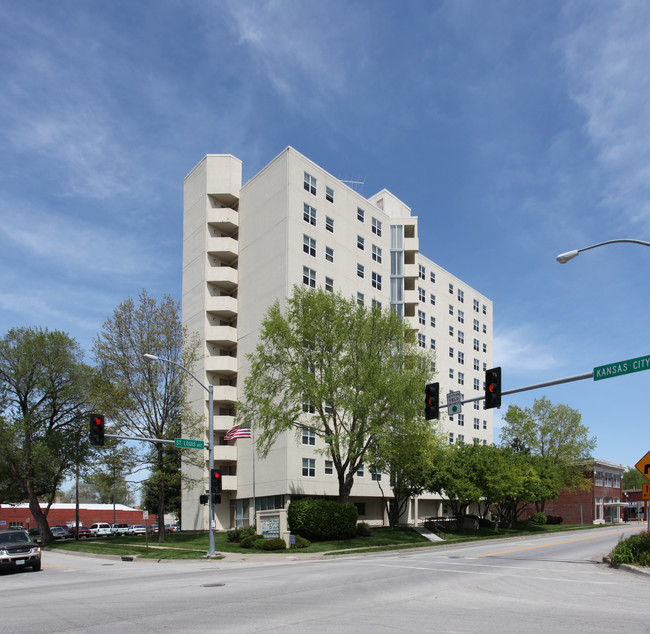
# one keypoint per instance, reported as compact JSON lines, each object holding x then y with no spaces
{"x":329,"y":284}
{"x":309,"y":467}
{"x":451,"y":331}
{"x":477,"y":424}
{"x":484,"y":309}
{"x":476,"y":345}
{"x":461,"y":296}
{"x":476,"y":365}
{"x":484,"y":329}
{"x":484,"y":424}
{"x":485,"y":347}
{"x":329,"y":254}
{"x":308,"y":436}
{"x":461,"y":378}
{"x":451,"y":288}
{"x":451,"y":437}
{"x":451,"y":309}
{"x":461,"y":316}
{"x":433,"y":321}
{"x":329,"y":224}
{"x":461,"y":357}
{"x":433,"y":344}
{"x":476,"y":325}
{"x":308,"y":407}
{"x":360,"y":471}
{"x":376,"y":304}
{"x":376,"y":253}
{"x":451,"y":352}
{"x":329,"y":194}
{"x":461,"y":439}
{"x":422,"y":318}
{"x":375,"y":475}
{"x":422,"y":272}
{"x":477,"y":384}
{"x":433,"y":299}
{"x":309,"y":214}
{"x":309,"y":245}
{"x":432,"y":277}
{"x":476,"y":305}
{"x":461,"y":336}
{"x":461,"y":420}
{"x":360,"y":299}
{"x":451,"y":373}
{"x":310,"y":184}
{"x":422,"y":295}
{"x":361,"y":215}
{"x":361,"y":243}
{"x":329,"y":467}
{"x":422,"y":340}
{"x":476,"y":405}
{"x":361,"y":271}
{"x":309,"y":276}
{"x":376,"y":226}
{"x":376,"y":280}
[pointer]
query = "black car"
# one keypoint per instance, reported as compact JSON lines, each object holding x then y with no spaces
{"x":18,"y":551}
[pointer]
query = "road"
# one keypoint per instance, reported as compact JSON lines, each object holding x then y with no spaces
{"x":540,"y":584}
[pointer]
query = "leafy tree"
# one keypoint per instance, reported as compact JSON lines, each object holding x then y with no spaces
{"x":347,"y":372}
{"x":634,"y":479}
{"x":409,"y":458}
{"x":141,"y":397}
{"x":170,"y":478}
{"x":44,"y":387}
{"x":555,"y":432}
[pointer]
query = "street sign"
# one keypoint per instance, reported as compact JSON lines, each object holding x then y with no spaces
{"x":186,"y":443}
{"x":622,"y":367}
{"x":645,"y":491}
{"x":453,"y":403}
{"x":644,"y":465}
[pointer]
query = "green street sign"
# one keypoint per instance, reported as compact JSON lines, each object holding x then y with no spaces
{"x":186,"y":443}
{"x":622,"y":367}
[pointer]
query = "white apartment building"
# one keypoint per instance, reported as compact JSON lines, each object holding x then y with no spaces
{"x":244,"y":246}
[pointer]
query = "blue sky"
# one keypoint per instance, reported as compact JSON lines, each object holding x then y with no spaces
{"x":514,"y":130}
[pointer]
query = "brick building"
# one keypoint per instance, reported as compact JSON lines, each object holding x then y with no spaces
{"x":600,"y":504}
{"x":64,"y":514}
{"x":636,"y":506}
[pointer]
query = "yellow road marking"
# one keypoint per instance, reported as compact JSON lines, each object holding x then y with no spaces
{"x":567,"y":541}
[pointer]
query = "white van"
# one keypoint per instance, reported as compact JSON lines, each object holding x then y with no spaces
{"x":101,"y":529}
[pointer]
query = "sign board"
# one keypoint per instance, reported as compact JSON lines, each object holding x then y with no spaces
{"x":454,"y":403}
{"x":622,"y":367}
{"x":186,"y":443}
{"x":145,"y":515}
{"x":645,"y":491}
{"x":644,"y":465}
{"x":271,"y":526}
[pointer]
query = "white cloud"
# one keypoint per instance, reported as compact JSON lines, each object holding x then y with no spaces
{"x":518,"y":349}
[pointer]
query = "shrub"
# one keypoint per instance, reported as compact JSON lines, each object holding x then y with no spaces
{"x":363,"y":530}
{"x":319,"y":519}
{"x":249,"y":541}
{"x":235,"y":535}
{"x":633,"y":550}
{"x":301,"y":542}
{"x":553,"y":519}
{"x":538,"y":518}
{"x":271,"y":544}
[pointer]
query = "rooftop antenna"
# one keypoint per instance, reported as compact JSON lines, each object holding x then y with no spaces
{"x":353,"y":183}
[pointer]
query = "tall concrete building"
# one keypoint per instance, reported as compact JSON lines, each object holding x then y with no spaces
{"x":244,"y":246}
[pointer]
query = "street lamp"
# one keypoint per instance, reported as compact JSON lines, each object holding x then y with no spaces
{"x":563,"y":258}
{"x":208,"y":388}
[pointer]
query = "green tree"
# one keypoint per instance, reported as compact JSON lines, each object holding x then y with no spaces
{"x":339,"y":368}
{"x":409,"y":458}
{"x":44,"y":388}
{"x":170,"y":478}
{"x":141,"y":397}
{"x":555,"y":432}
{"x":634,"y":479}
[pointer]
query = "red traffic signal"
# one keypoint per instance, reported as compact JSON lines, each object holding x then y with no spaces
{"x":432,"y":401}
{"x":97,"y":430}
{"x":215,"y":476}
{"x":493,"y":388}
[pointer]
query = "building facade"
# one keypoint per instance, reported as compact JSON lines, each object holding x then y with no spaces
{"x":295,"y":223}
{"x":600,"y":504}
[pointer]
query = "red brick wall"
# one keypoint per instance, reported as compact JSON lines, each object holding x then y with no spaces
{"x":67,"y":516}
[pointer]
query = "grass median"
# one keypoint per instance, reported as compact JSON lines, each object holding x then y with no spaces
{"x":195,"y":545}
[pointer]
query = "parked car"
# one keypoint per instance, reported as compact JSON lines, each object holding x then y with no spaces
{"x":120,"y":529}
{"x":101,"y":529}
{"x":18,"y":551}
{"x":65,"y":529}
{"x":58,"y":532}
{"x":82,"y":530}
{"x":173,"y":528}
{"x":152,"y":528}
{"x":137,"y":529}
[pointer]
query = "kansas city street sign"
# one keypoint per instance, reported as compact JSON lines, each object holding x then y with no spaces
{"x":622,"y":367}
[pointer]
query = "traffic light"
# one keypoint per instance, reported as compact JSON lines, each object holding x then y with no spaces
{"x":215,"y":476}
{"x":203,"y":499}
{"x":97,"y":430}
{"x":432,"y":401}
{"x":493,"y":388}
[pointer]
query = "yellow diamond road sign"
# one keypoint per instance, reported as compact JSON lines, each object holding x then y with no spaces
{"x":644,"y":465}
{"x":645,"y":491}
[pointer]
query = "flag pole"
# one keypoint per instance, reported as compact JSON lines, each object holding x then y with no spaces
{"x":254,"y":509}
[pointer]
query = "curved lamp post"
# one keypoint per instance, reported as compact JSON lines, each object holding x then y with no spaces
{"x":208,"y":389}
{"x":563,"y":258}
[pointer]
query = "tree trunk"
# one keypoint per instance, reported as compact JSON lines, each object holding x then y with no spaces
{"x":39,"y":517}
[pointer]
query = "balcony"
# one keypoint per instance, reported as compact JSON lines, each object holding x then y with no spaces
{"x":411,"y":297}
{"x":223,"y":423}
{"x":223,"y":306}
{"x":225,"y":453}
{"x":229,"y":483}
{"x":411,"y":270}
{"x":224,"y":394}
{"x":224,"y":277}
{"x":225,"y":336}
{"x":224,"y":219}
{"x":224,"y":365}
{"x":226,"y":249}
{"x":411,"y":244}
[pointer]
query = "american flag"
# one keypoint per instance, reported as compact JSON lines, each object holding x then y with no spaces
{"x":238,"y":432}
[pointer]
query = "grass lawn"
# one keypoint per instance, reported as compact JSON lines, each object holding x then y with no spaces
{"x":195,"y":545}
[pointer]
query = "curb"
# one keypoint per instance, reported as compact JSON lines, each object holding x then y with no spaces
{"x":636,"y":570}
